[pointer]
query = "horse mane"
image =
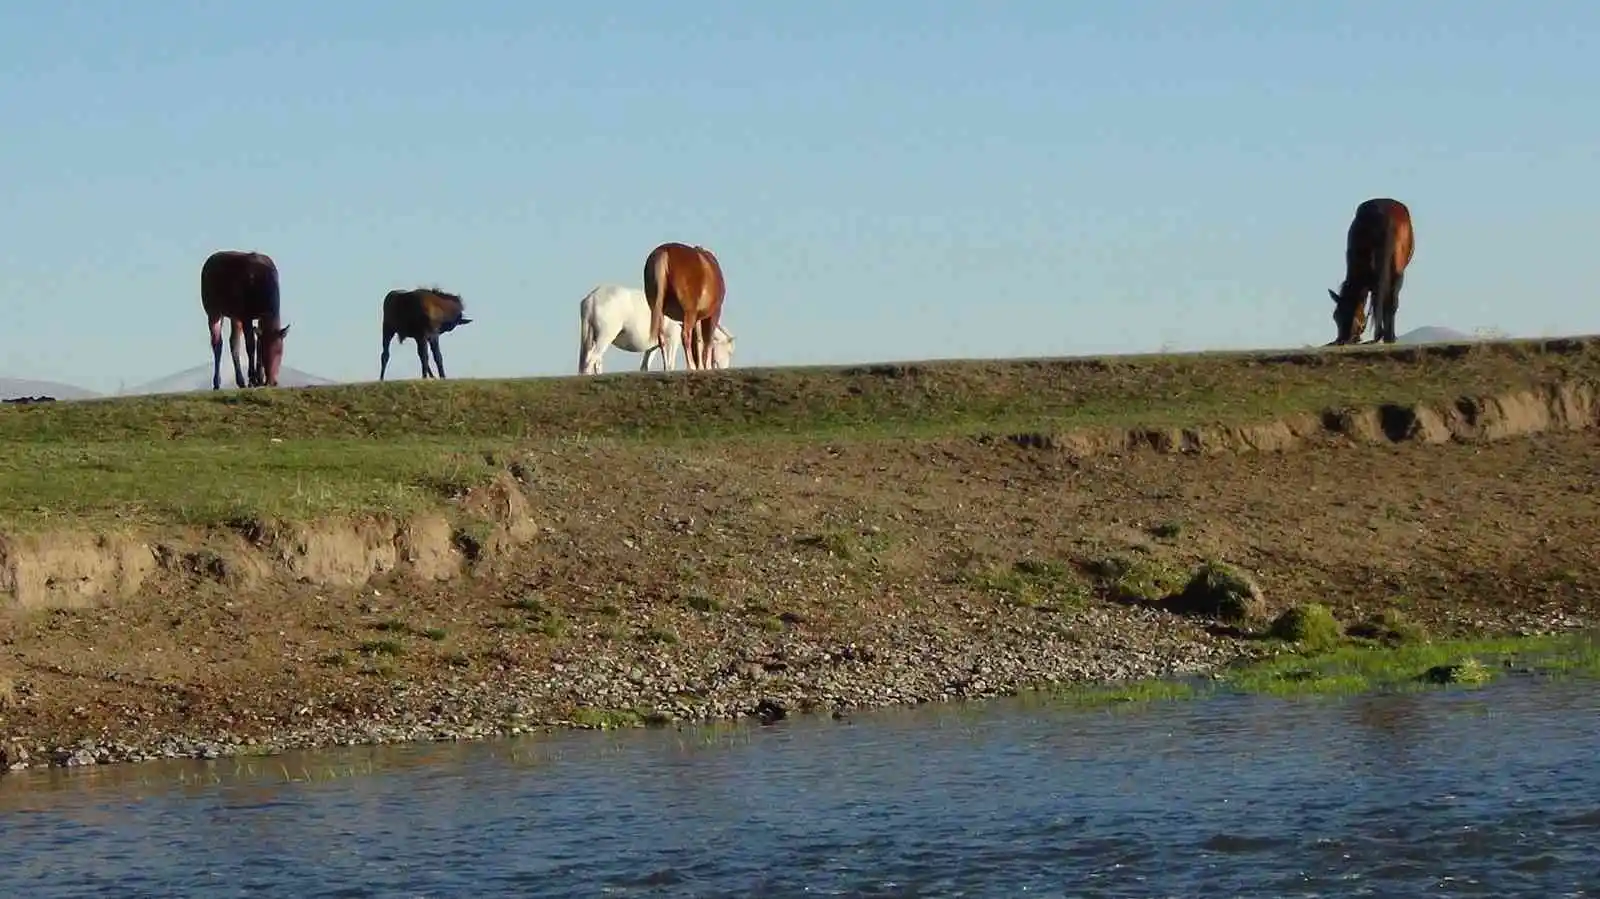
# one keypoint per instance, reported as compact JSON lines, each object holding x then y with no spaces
{"x":440,"y":292}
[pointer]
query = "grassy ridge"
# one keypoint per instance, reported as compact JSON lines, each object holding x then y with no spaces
{"x":396,"y":447}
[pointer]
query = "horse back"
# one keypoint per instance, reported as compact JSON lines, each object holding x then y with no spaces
{"x":240,"y":284}
{"x":716,"y":287}
{"x":1375,"y":221}
{"x":419,"y":310}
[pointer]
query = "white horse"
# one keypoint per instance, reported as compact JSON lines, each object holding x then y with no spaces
{"x":613,"y":315}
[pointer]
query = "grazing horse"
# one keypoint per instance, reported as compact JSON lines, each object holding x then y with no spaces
{"x":1378,"y":247}
{"x":685,"y":284}
{"x":421,"y":314}
{"x":243,"y":286}
{"x":612,"y":315}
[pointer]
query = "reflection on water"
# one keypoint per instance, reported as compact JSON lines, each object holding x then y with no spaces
{"x":1492,"y":793}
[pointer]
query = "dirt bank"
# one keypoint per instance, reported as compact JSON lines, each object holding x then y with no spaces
{"x":753,"y":575}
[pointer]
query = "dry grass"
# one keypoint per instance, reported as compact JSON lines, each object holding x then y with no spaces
{"x":397,"y":447}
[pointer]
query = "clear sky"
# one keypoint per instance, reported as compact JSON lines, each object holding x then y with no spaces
{"x":882,"y":179}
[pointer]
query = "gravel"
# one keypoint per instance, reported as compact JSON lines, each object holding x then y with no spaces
{"x":747,"y":673}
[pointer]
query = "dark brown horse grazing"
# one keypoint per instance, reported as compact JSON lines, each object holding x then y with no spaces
{"x":1378,"y":247}
{"x":685,"y":284}
{"x":243,"y":286}
{"x":421,"y":314}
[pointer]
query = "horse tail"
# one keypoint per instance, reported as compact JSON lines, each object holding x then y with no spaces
{"x":655,"y":289}
{"x":585,"y":337}
{"x":1384,"y":279}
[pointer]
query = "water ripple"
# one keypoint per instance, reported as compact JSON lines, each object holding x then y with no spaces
{"x":1448,"y":794}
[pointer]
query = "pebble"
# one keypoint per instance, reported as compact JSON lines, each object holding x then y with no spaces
{"x":743,"y":672}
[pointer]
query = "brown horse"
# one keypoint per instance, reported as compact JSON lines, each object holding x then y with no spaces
{"x":421,"y":314}
{"x":243,"y":286}
{"x":1378,"y":247}
{"x":685,"y":284}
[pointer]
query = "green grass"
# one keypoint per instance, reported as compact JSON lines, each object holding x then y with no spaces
{"x":403,"y":446}
{"x":1363,"y":667}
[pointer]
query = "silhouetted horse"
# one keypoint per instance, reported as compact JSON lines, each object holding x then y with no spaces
{"x":685,"y":284}
{"x":421,"y":314}
{"x":1378,"y":248}
{"x":243,"y":286}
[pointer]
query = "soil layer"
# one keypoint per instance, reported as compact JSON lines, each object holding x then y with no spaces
{"x":617,"y":579}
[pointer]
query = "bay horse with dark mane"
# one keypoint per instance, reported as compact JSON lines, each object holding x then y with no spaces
{"x":685,"y":284}
{"x":1378,"y":247}
{"x":421,"y":314}
{"x":243,"y":287}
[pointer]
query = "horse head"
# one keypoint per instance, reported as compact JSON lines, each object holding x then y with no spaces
{"x":721,"y":348}
{"x":271,"y":352}
{"x":1349,"y":314}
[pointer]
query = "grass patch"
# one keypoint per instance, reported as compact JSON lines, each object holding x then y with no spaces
{"x":539,"y":617}
{"x":1131,"y":578}
{"x":1360,"y":667}
{"x":381,"y":648}
{"x":1357,"y":668}
{"x":403,"y":446}
{"x":1311,"y":625}
{"x":1099,"y":694}
{"x":1035,"y":583}
{"x":1389,"y":626}
{"x":701,"y":600}
{"x":1166,"y":530}
{"x":1221,"y":591}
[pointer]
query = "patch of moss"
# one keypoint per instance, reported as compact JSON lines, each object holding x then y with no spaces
{"x":1035,"y":583}
{"x":1311,"y":625}
{"x":1220,"y":591}
{"x":1388,"y":626}
{"x":1133,"y":579}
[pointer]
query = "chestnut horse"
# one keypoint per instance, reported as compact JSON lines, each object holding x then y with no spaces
{"x":243,"y":286}
{"x":1378,"y":247}
{"x":685,"y":284}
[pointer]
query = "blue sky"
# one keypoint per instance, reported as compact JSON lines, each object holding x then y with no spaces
{"x":881,"y":180}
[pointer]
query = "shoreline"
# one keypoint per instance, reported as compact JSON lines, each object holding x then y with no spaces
{"x":781,"y":562}
{"x":841,"y":686}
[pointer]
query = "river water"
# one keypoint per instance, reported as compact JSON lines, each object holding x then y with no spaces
{"x":1463,"y":793}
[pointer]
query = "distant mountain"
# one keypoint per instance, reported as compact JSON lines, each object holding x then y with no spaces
{"x":199,"y":378}
{"x":11,"y":388}
{"x":1433,"y":334}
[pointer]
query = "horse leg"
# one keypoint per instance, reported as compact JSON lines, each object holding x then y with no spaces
{"x":708,"y":333}
{"x":215,"y":323}
{"x":422,"y":355}
{"x":383,"y":359}
{"x":691,"y":359}
{"x":255,"y":364}
{"x":235,"y":341}
{"x":438,"y":358}
{"x":1391,"y":306}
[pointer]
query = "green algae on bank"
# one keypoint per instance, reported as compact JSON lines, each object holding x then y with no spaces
{"x":1361,"y":667}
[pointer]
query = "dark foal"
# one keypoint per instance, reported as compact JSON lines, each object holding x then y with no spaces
{"x":421,"y":314}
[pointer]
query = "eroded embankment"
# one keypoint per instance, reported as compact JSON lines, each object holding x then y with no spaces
{"x":620,"y":582}
{"x":1565,"y":406}
{"x":69,"y":569}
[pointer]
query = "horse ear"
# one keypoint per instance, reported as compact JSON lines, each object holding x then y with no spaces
{"x":463,"y":321}
{"x":1334,"y":295}
{"x":283,"y":332}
